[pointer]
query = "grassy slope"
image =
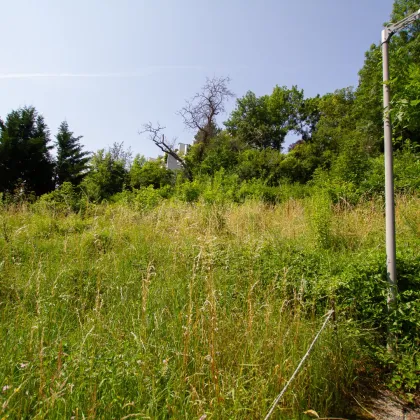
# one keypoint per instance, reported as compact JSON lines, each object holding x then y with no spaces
{"x":182,"y":310}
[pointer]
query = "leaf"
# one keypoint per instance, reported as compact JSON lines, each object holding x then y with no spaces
{"x":415,"y":102}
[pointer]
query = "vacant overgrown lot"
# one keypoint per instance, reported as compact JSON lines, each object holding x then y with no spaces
{"x":185,"y":310}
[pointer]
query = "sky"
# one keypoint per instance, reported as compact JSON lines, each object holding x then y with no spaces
{"x":107,"y":66}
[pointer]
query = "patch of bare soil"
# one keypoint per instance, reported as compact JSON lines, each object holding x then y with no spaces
{"x":383,"y":405}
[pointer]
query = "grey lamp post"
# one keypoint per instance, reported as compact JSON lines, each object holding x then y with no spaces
{"x":387,"y":33}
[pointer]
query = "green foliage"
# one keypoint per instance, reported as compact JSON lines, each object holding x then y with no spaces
{"x":256,"y":189}
{"x":260,"y":164}
{"x":65,"y":198}
{"x":71,"y":164}
{"x":136,"y":170}
{"x":263,"y":122}
{"x":407,"y":170}
{"x":320,"y":215}
{"x":402,"y":8}
{"x":355,"y":176}
{"x":145,"y":299}
{"x":142,"y":199}
{"x":352,"y":164}
{"x":189,"y":191}
{"x":25,"y":162}
{"x":123,"y":313}
{"x":404,"y":64}
{"x":221,"y":189}
{"x":335,"y":124}
{"x":364,"y":292}
{"x":306,"y":158}
{"x":144,"y":174}
{"x":406,"y":105}
{"x":107,"y":174}
{"x":369,"y":102}
{"x":220,"y":152}
{"x":147,"y":198}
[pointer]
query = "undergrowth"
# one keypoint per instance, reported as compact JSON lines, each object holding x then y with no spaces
{"x":153,"y":308}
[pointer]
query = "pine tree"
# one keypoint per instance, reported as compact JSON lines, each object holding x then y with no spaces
{"x":25,"y":160}
{"x":71,"y":160}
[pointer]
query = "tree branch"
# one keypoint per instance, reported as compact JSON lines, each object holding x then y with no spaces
{"x":200,"y":112}
{"x":158,"y":138}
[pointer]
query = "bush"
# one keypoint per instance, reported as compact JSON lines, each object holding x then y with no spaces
{"x":365,"y":180}
{"x":189,"y":191}
{"x":221,"y":188}
{"x":147,"y":198}
{"x":66,"y":198}
{"x":363,"y":296}
{"x":256,"y":189}
{"x":150,"y":173}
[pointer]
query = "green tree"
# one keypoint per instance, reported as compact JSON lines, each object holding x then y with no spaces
{"x":199,"y":113}
{"x":107,"y":173}
{"x":135,"y":169}
{"x":143,"y":174}
{"x":25,"y":160}
{"x":404,"y":61}
{"x":406,"y":106}
{"x":260,"y":164}
{"x":336,"y":122}
{"x":71,"y":165}
{"x":251,"y":122}
{"x":368,"y":100}
{"x":221,"y":152}
{"x":332,"y":129}
{"x":264,"y":122}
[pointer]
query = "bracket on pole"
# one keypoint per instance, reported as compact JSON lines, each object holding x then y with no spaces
{"x":392,"y":28}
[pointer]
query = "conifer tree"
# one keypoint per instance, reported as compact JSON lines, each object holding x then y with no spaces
{"x":71,"y":159}
{"x":26,"y":164}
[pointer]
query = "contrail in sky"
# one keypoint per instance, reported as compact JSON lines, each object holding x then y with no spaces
{"x":143,"y":72}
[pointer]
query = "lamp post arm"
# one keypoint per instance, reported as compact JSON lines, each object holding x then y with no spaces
{"x":392,"y":28}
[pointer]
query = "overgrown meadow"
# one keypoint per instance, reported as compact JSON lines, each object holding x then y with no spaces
{"x":191,"y":285}
{"x":195,"y":310}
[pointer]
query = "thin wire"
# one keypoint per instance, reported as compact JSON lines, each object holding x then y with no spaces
{"x":276,"y":401}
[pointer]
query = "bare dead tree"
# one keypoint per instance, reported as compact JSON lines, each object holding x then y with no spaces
{"x":200,"y":112}
{"x":158,"y":138}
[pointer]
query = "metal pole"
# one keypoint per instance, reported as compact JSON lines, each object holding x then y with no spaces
{"x":389,"y":180}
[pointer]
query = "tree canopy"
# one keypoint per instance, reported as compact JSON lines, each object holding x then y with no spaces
{"x":71,"y":165}
{"x":26,"y":164}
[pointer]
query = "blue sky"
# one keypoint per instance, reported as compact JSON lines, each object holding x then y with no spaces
{"x":108,"y":66}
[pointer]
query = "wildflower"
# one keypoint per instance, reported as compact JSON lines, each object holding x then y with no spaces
{"x":208,"y":358}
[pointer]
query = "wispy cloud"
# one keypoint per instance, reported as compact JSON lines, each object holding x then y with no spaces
{"x":143,"y":72}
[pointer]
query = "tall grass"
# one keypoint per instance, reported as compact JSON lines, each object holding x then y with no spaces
{"x":180,"y":311}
